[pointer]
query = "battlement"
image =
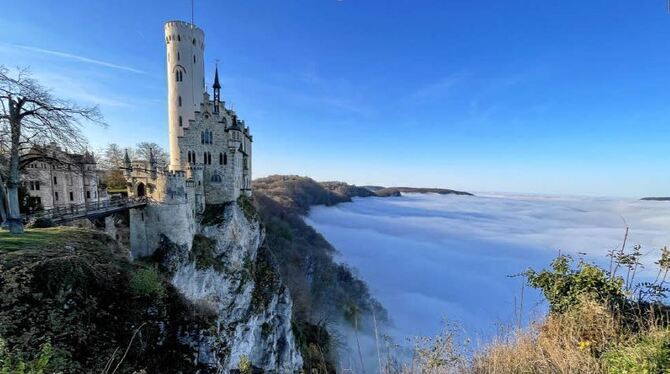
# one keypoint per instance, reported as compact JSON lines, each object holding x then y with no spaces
{"x":183,"y":25}
{"x":175,"y":174}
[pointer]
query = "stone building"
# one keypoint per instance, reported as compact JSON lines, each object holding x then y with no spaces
{"x":210,"y":149}
{"x":60,"y":179}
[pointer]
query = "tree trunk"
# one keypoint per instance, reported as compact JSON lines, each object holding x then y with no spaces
{"x":13,"y":182}
{"x":3,"y":205}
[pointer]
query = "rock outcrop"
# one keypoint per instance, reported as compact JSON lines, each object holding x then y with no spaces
{"x":230,"y":271}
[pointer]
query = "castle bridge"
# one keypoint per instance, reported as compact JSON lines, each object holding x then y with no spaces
{"x":94,"y":209}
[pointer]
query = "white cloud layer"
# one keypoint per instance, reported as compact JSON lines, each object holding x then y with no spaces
{"x":427,"y":257}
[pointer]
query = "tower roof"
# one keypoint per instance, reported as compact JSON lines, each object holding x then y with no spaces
{"x":216,"y":79}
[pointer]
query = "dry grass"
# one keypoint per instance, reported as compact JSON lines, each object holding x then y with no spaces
{"x":589,"y":339}
{"x":562,"y":344}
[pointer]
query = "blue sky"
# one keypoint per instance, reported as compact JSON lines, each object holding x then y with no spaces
{"x":568,"y":97}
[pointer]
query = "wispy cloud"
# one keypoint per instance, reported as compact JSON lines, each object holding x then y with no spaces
{"x":74,"y":57}
{"x":78,"y":89}
{"x":438,"y":88}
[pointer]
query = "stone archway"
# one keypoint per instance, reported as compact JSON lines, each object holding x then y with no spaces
{"x":141,"y":190}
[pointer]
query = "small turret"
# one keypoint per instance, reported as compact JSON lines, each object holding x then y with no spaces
{"x":217,"y":90}
{"x":128,"y":166}
{"x":153,"y":165}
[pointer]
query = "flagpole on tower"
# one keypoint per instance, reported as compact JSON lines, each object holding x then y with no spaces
{"x":192,"y":6}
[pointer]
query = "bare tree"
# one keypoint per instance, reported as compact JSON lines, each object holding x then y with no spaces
{"x":143,"y":149}
{"x":111,"y":157}
{"x":110,"y":163}
{"x":30,"y":118}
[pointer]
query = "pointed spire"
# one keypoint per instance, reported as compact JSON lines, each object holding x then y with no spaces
{"x":126,"y":158}
{"x":152,"y":159}
{"x":152,"y":163}
{"x":127,"y":165}
{"x":217,"y":89}
{"x":216,"y":85}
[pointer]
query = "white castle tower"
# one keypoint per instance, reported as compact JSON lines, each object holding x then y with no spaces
{"x":186,"y":79}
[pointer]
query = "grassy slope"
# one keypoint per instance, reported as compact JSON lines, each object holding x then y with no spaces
{"x":37,"y":239}
{"x":76,"y":289}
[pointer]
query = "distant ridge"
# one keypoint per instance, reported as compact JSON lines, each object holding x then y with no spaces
{"x":656,"y":198}
{"x":397,"y":191}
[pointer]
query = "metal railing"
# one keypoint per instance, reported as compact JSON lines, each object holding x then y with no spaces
{"x":76,"y":211}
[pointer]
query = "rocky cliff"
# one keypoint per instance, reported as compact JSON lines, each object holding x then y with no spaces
{"x":230,"y":271}
{"x":72,"y":298}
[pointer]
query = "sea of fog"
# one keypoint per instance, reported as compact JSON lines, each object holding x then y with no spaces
{"x":431,"y":257}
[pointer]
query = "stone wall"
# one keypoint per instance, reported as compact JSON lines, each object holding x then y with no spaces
{"x":174,"y":220}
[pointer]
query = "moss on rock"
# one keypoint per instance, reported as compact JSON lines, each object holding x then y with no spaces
{"x":203,"y":252}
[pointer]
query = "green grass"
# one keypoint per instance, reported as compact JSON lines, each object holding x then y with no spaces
{"x":147,"y":282}
{"x":44,"y":238}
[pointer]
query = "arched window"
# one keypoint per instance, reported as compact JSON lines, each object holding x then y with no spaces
{"x":193,"y":41}
{"x":194,"y":59}
{"x":220,"y":158}
{"x":202,"y":137}
{"x":178,"y":37}
{"x":180,"y":121}
{"x":209,"y":158}
{"x":225,"y":159}
{"x":216,"y":178}
{"x":178,"y":56}
{"x":179,"y":100}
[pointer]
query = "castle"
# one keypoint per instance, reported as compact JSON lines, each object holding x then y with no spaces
{"x":209,"y":146}
{"x":59,"y":179}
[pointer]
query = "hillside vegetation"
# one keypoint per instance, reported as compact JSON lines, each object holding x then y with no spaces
{"x":396,"y":191}
{"x":324,"y":292}
{"x":72,"y":302}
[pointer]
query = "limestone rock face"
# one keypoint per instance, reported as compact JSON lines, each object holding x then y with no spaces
{"x":228,"y":270}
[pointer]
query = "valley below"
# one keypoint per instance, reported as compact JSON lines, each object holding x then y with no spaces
{"x":430,"y":257}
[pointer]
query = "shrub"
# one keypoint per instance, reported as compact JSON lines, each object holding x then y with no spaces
{"x":564,"y":286}
{"x":648,"y":354}
{"x":203,"y":252}
{"x":147,"y":282}
{"x":40,"y":223}
{"x":245,"y":365}
{"x":247,"y":205}
{"x":14,"y":363}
